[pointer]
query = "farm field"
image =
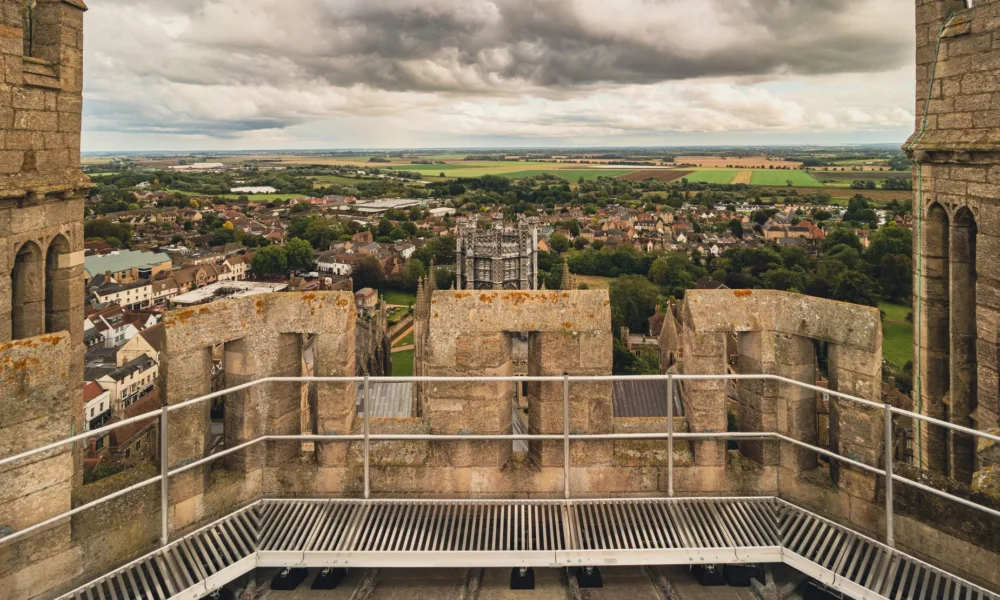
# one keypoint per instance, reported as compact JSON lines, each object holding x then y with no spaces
{"x":743,"y":177}
{"x":713,"y":176}
{"x":841,"y":195}
{"x":774,"y":177}
{"x":661,"y":174}
{"x":897,"y":334}
{"x":571,"y":175}
{"x":747,"y":162}
{"x":861,"y":175}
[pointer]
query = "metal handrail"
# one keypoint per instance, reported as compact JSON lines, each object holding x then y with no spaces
{"x":367,"y":437}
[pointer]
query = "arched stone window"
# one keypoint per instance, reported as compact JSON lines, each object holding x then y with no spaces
{"x":27,"y":293}
{"x":58,"y":275}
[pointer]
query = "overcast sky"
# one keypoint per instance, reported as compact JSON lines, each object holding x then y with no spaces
{"x":262,"y":74}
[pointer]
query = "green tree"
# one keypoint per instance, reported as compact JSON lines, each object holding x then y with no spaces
{"x":368,"y":273}
{"x":270,"y":260}
{"x":559,"y":243}
{"x":856,"y":287}
{"x":736,"y":227}
{"x":633,"y":302}
{"x":890,"y":239}
{"x":113,"y":241}
{"x":300,"y":254}
{"x":896,"y":278}
{"x":415,"y":269}
{"x":784,"y":279}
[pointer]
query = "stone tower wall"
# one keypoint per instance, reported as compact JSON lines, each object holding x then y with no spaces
{"x":956,"y":150}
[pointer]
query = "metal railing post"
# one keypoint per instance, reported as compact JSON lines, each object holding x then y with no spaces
{"x":164,"y":481}
{"x":566,"y":435}
{"x":364,"y":408}
{"x":889,"y":533}
{"x":670,"y":435}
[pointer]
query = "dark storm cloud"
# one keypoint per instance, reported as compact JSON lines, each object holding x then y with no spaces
{"x":223,"y":68}
{"x":558,"y":43}
{"x":495,"y":46}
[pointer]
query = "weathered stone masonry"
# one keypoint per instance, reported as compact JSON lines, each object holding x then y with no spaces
{"x":956,"y":149}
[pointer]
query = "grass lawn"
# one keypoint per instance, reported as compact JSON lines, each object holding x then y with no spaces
{"x":402,"y":363}
{"x":399,"y":298}
{"x":713,"y":175}
{"x":897,"y":334}
{"x":406,"y":340}
{"x":777,"y":177}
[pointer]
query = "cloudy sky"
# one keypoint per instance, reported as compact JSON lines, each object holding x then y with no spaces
{"x":268,"y":74}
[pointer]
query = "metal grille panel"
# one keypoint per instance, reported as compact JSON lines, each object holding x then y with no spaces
{"x":510,"y":533}
{"x":188,"y":568}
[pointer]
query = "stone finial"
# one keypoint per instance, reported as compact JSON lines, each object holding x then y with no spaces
{"x":542,"y":287}
{"x":568,"y":281}
{"x":431,"y":279}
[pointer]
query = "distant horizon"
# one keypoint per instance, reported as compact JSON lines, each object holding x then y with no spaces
{"x":459,"y":149}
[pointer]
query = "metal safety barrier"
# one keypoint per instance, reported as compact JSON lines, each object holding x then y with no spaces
{"x":566,"y":437}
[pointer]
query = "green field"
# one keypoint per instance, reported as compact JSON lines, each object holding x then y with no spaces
{"x":897,"y":334}
{"x":713,"y":175}
{"x":325,"y":180}
{"x":778,"y":177}
{"x":402,"y":363}
{"x":571,"y":175}
{"x":398,"y":298}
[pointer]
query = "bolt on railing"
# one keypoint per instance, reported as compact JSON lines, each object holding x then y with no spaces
{"x":366,"y":437}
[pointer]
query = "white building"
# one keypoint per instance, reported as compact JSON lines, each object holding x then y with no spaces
{"x":131,"y":295}
{"x":97,"y":405}
{"x":250,"y":189}
{"x":337,"y":264}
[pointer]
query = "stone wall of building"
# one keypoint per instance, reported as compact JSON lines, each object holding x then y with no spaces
{"x":41,"y":186}
{"x":956,"y":150}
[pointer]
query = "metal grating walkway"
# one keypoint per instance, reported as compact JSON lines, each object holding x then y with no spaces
{"x":538,"y":533}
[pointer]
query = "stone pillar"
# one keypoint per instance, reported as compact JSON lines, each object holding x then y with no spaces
{"x":796,"y":408}
{"x":758,"y":398}
{"x":705,"y":401}
{"x":184,"y":376}
{"x":35,"y":409}
{"x":856,"y":431}
{"x":335,"y":410}
{"x":934,"y":298}
{"x":280,"y":404}
{"x":963,"y":343}
{"x":64,"y":289}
